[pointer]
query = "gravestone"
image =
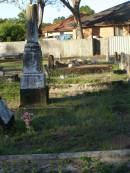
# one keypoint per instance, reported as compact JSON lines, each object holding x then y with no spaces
{"x":1,"y":72}
{"x":33,"y":89}
{"x":6,"y":115}
{"x":51,"y":61}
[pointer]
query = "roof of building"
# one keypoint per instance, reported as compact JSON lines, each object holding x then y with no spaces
{"x":64,"y":25}
{"x":116,"y":15}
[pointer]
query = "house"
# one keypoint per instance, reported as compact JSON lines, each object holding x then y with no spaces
{"x":63,"y":30}
{"x":114,"y":21}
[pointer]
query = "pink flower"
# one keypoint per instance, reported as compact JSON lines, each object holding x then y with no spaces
{"x":26,"y":118}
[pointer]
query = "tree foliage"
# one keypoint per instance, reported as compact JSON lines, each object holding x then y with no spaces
{"x":11,"y":32}
{"x":58,"y":19}
{"x":22,"y":17}
{"x":13,"y":29}
{"x":72,"y":5}
{"x":87,"y":10}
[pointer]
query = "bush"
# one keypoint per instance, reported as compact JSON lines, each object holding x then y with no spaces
{"x":11,"y":31}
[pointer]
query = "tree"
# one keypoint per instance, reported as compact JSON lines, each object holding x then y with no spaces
{"x":10,"y":31}
{"x":45,"y":25}
{"x":73,"y":6}
{"x":41,"y":6}
{"x":87,"y":10}
{"x":22,"y":17}
{"x":58,"y":19}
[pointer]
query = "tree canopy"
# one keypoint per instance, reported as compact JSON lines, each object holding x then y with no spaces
{"x":87,"y":10}
{"x":72,"y":5}
{"x":12,"y":29}
{"x":58,"y":19}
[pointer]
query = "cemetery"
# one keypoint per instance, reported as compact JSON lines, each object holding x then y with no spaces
{"x":63,"y":115}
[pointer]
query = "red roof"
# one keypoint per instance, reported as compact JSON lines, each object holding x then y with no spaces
{"x":64,"y":25}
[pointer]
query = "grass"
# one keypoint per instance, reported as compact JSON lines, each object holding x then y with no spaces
{"x":92,"y":121}
{"x":10,"y":92}
{"x":13,"y":64}
{"x":87,"y":78}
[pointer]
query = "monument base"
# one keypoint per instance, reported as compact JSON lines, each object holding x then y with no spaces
{"x":33,"y":90}
{"x":34,"y":97}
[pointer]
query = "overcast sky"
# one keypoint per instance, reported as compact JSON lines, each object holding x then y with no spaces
{"x":9,"y":11}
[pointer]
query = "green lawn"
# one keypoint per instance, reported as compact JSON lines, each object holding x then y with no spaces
{"x":12,"y":64}
{"x":87,"y":78}
{"x":92,"y":121}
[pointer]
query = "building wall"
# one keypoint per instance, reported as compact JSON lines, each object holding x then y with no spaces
{"x":99,"y":32}
{"x":52,"y":34}
{"x":87,"y":33}
{"x":126,"y":30}
{"x":106,"y":32}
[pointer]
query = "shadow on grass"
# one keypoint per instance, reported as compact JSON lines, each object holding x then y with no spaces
{"x":91,"y":121}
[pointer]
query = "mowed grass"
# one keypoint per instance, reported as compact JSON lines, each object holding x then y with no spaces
{"x":10,"y":92}
{"x":12,"y":64}
{"x":18,"y":64}
{"x":87,"y":78}
{"x":92,"y":121}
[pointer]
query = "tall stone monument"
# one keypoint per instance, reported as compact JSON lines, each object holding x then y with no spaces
{"x":33,"y":89}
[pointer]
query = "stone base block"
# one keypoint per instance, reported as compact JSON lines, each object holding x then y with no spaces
{"x":34,"y":97}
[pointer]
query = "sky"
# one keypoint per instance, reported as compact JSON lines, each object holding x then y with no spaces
{"x":10,"y":11}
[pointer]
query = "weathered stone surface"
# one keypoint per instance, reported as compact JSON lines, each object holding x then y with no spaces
{"x":32,"y":23}
{"x":64,"y":162}
{"x":33,"y":87}
{"x":5,"y":114}
{"x":32,"y":58}
{"x":37,"y":96}
{"x":33,"y":81}
{"x":51,"y":61}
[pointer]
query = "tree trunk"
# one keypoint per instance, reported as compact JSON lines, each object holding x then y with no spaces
{"x":79,"y":31}
{"x":76,"y":13}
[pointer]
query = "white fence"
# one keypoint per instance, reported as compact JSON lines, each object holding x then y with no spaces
{"x":70,"y":48}
{"x":75,"y":48}
{"x":119,"y":44}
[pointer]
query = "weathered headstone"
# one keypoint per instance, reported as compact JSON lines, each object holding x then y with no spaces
{"x":33,"y":87}
{"x":1,"y":72}
{"x":51,"y":61}
{"x":6,"y":115}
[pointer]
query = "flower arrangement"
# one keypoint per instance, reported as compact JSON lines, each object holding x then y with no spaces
{"x":27,"y":118}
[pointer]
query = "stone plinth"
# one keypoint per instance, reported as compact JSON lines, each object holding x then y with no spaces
{"x":37,"y":96}
{"x":33,"y":89}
